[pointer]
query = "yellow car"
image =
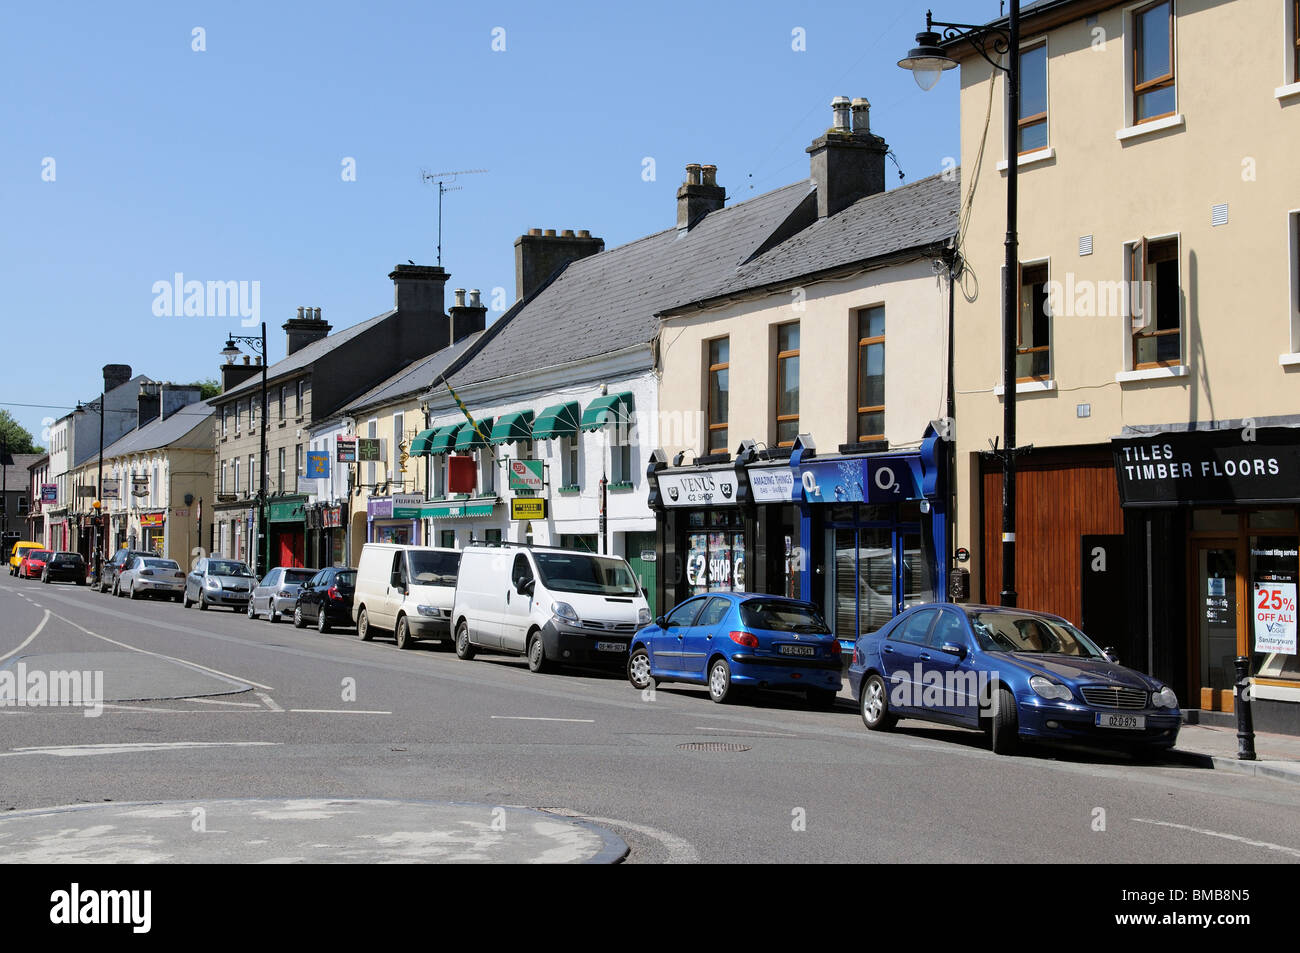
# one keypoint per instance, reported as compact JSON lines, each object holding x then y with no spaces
{"x":19,"y":551}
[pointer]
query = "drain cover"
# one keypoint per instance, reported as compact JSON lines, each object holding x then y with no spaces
{"x":712,"y":746}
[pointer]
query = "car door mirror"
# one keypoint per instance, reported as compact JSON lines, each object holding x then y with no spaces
{"x":662,"y":622}
{"x":524,"y":586}
{"x":954,"y":648}
{"x":1111,"y":653}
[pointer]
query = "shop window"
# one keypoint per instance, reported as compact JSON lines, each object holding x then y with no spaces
{"x":1271,"y":519}
{"x":1154,"y":91}
{"x":488,"y":473}
{"x":871,"y":374}
{"x":1032,"y":121}
{"x":1274,"y":573}
{"x":787,"y":384}
{"x":492,"y":535}
{"x":1155,"y":303}
{"x":715,"y":560}
{"x":447,"y":539}
{"x":719,"y":388}
{"x":1033,"y":355}
{"x":620,"y":459}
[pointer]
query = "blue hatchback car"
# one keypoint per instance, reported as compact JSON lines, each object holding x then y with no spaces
{"x":733,"y":640}
{"x":1017,"y":674}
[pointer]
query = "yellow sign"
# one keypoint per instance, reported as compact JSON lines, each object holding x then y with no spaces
{"x":528,"y":508}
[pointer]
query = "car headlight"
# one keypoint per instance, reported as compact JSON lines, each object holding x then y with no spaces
{"x":212,"y":584}
{"x":1046,"y":688}
{"x":1165,"y":698}
{"x":643,"y":617}
{"x":562,"y":610}
{"x":429,"y":611}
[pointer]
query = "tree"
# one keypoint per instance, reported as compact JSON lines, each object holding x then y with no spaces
{"x":16,"y":437}
{"x":209,"y":388}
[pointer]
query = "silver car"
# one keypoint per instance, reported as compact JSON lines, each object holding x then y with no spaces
{"x":219,"y":582}
{"x":151,"y":576}
{"x":277,"y":593}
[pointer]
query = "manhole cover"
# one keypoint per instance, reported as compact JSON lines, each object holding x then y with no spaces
{"x":712,"y":746}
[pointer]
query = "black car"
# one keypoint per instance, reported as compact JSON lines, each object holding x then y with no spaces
{"x":112,"y":569}
{"x":65,"y":567}
{"x":326,"y":599}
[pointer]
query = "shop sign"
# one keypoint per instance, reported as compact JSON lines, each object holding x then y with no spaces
{"x":151,"y":519}
{"x":318,"y":465}
{"x":332,"y":517}
{"x":407,"y":505}
{"x":528,"y":508}
{"x":889,"y":478}
{"x":140,"y":485}
{"x":526,"y":475}
{"x":50,"y":492}
{"x":1209,"y":467}
{"x":286,"y":512}
{"x":368,"y":449}
{"x":379,"y":509}
{"x":112,"y":490}
{"x":699,"y":488}
{"x":345,"y":449}
{"x":771,"y":484}
{"x":1275,"y":626}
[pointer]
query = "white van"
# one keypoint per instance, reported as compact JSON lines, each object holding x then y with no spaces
{"x":552,"y":605}
{"x":406,"y":590}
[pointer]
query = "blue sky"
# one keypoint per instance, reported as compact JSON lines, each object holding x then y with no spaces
{"x":226,"y":164}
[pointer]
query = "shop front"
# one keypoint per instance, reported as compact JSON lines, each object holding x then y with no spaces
{"x":325,"y":535}
{"x":384,"y":526}
{"x":286,"y":521}
{"x":152,"y":530}
{"x":1214,"y":518}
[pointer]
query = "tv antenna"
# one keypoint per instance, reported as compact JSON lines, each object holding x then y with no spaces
{"x":442,"y":178}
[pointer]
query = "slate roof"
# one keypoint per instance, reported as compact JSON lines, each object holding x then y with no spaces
{"x":18,"y":477}
{"x":608,"y":301}
{"x":414,"y":379}
{"x":161,"y":433}
{"x":303,"y":357}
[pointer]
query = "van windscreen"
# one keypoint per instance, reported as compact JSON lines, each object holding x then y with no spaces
{"x":434,"y":569}
{"x":574,"y":572}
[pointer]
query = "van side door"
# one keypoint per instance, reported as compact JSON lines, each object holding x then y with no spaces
{"x":517,"y":611}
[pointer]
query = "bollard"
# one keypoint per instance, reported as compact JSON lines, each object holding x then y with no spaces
{"x":1241,"y":701}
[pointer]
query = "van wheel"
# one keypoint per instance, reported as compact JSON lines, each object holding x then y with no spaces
{"x":364,"y":632}
{"x":403,"y":634}
{"x":537,"y":661}
{"x":464,"y":648}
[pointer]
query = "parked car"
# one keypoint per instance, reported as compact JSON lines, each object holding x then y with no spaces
{"x":326,"y":599}
{"x":277,"y":593}
{"x":551,"y":605}
{"x":151,"y":576}
{"x":406,"y":590}
{"x":110,"y":570}
{"x":219,"y":582}
{"x":735,"y":640}
{"x":68,"y":567}
{"x":1017,"y":674}
{"x":19,"y":550}
{"x":33,"y":563}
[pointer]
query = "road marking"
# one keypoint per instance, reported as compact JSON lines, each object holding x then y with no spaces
{"x":338,"y":711}
{"x":1242,"y":840}
{"x":746,"y":731}
{"x":268,"y":701}
{"x":28,"y":640}
{"x":170,"y":658}
{"x":76,"y":751}
{"x":222,"y":701}
{"x":582,"y":721}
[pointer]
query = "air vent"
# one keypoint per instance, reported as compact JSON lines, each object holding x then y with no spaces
{"x":1219,"y":214}
{"x":1085,"y":245}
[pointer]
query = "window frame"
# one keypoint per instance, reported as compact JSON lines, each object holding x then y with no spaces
{"x":280,"y":460}
{"x":1140,"y":250}
{"x":865,"y":342}
{"x":781,"y":358}
{"x":298,"y":398}
{"x":1025,"y":122}
{"x":1044,"y":263}
{"x":1139,"y":88}
{"x":715,"y":423}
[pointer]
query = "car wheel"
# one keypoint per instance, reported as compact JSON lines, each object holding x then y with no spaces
{"x":364,"y":632}
{"x":117,"y":589}
{"x":252,"y":613}
{"x":720,"y":681}
{"x":638,"y":670}
{"x":321,"y":625}
{"x":464,"y":647}
{"x":271,"y":615}
{"x":131,"y":592}
{"x":1004,"y":725}
{"x":402,"y":634}
{"x":45,"y":578}
{"x":823,"y":699}
{"x":298,"y":621}
{"x":203,"y":602}
{"x":537,"y":661}
{"x":874,"y":705}
{"x":185,"y":599}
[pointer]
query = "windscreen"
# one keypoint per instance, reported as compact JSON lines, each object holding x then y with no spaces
{"x":161,"y":564}
{"x":227,"y":567}
{"x":433,"y":568}
{"x":576,"y":572}
{"x":1020,"y":632}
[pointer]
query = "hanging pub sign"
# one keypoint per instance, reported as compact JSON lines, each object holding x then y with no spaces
{"x":111,"y":490}
{"x":345,"y":449}
{"x":1209,"y":467}
{"x":526,"y":475}
{"x":140,"y":485}
{"x":151,"y":519}
{"x":332,"y":517}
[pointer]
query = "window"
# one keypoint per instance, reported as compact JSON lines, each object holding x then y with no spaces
{"x":1154,"y":93}
{"x":1032,"y":120}
{"x":488,"y":473}
{"x":1033,"y":357}
{"x":1155,"y":305}
{"x":719,"y":365}
{"x":447,"y":539}
{"x":223,"y":478}
{"x":1294,"y":233}
{"x":283,"y":389}
{"x":236,"y":476}
{"x":437,"y":475}
{"x":280,"y":485}
{"x":395,"y":463}
{"x":22,"y":505}
{"x":871,"y":374}
{"x":372,"y":431}
{"x":239,"y":412}
{"x":572,"y":476}
{"x":298,"y":460}
{"x":620,"y":458}
{"x":787,"y":384}
{"x":492,"y":535}
{"x":225,"y":414}
{"x":298,"y":399}
{"x":252,"y":413}
{"x":252,"y":480}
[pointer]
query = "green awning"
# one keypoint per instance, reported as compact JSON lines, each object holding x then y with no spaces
{"x":443,"y":439}
{"x":513,"y":428}
{"x":420,"y":445}
{"x":458,"y":510}
{"x":558,"y":421}
{"x":610,"y":409}
{"x":467,"y":439}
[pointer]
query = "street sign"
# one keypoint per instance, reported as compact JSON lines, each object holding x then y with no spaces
{"x":318,"y":465}
{"x":528,"y":508}
{"x":345,"y":449}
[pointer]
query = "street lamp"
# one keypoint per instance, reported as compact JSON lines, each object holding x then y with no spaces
{"x":928,"y":61}
{"x":230,"y":352}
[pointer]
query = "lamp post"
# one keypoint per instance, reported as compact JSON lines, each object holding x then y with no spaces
{"x":230,"y":352}
{"x":927,"y":61}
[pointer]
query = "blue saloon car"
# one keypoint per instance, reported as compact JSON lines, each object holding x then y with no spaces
{"x":735,"y":640}
{"x":1014,"y":673}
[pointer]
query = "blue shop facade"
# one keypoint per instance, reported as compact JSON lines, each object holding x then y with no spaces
{"x":861,"y":535}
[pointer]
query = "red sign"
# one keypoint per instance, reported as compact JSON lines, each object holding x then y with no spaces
{"x":151,"y":519}
{"x":461,"y":477}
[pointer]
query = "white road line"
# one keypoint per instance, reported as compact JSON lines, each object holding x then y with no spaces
{"x":338,"y":711}
{"x":28,"y":640}
{"x":1241,"y":840}
{"x":268,"y":701}
{"x":222,"y":701}
{"x":679,"y":851}
{"x":747,"y":731}
{"x":75,"y":751}
{"x":170,"y":658}
{"x":582,"y":721}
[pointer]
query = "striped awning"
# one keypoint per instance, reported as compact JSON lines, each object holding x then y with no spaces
{"x":558,"y":421}
{"x":443,"y":439}
{"x":420,"y":445}
{"x":613,"y":409}
{"x":468,"y":439}
{"x":513,"y":428}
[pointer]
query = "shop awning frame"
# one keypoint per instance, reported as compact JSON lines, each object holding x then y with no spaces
{"x":466,"y":437}
{"x":515,"y":427}
{"x":420,"y":445}
{"x":443,"y":439}
{"x":558,"y":421}
{"x":617,"y":409}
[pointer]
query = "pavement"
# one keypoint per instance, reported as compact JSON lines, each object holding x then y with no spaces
{"x":1208,"y":746}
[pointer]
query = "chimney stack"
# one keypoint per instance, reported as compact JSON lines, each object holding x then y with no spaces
{"x":467,"y":318}
{"x":699,"y":195}
{"x":304,"y":329}
{"x":148,"y":403}
{"x":538,"y":255}
{"x":115,"y":375}
{"x":848,"y":162}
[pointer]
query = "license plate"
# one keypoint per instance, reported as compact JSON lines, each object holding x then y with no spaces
{"x":1130,"y":722}
{"x":610,"y":647}
{"x":798,"y":650}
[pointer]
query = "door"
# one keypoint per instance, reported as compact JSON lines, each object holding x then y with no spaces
{"x":705,"y":635}
{"x":1217,"y":618}
{"x":518,"y":608}
{"x":669,"y":646}
{"x":641,"y":556}
{"x":903,"y":657}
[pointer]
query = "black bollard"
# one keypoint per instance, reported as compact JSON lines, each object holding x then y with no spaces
{"x":1241,"y":700}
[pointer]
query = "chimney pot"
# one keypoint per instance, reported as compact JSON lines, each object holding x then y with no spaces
{"x":318,"y":317}
{"x":300,"y":309}
{"x":246,"y":359}
{"x":549,"y":233}
{"x":861,"y":116}
{"x":584,"y":233}
{"x":710,"y":174}
{"x":840,"y":111}
{"x":474,"y":298}
{"x":567,"y":233}
{"x":534,"y":231}
{"x":460,"y":297}
{"x":693,"y":173}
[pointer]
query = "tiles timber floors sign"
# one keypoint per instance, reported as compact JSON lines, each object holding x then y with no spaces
{"x":1209,"y":467}
{"x":133,"y":908}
